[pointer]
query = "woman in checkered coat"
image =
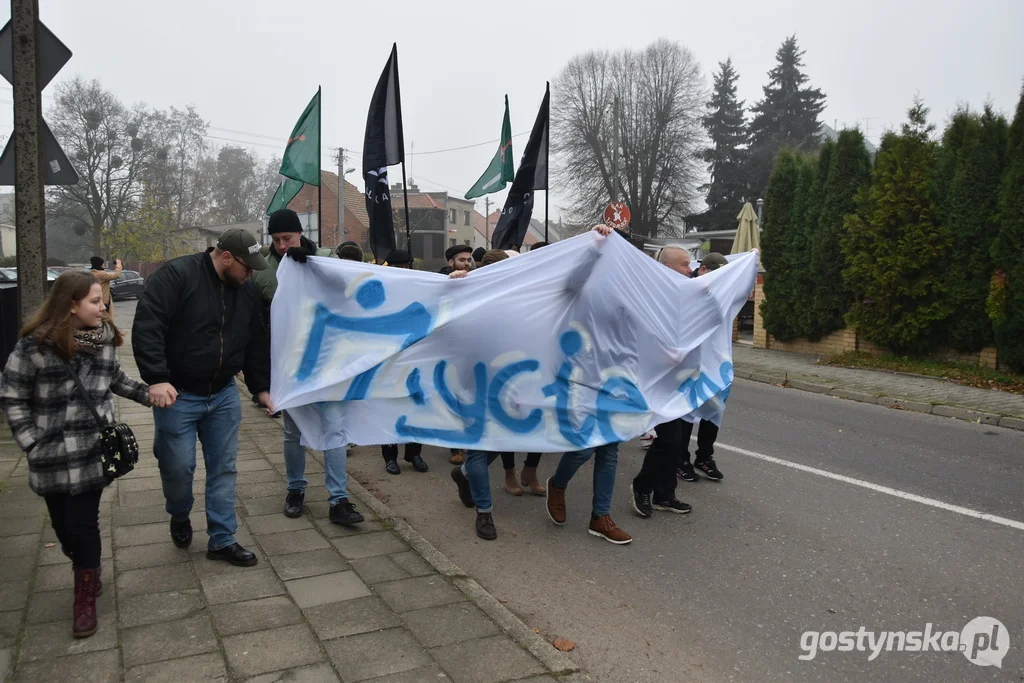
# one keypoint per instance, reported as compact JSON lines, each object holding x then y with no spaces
{"x":55,"y":427}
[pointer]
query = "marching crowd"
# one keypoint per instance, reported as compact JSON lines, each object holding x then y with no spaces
{"x":203,"y":319}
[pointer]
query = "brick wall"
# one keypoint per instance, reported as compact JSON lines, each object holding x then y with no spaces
{"x":847,"y":339}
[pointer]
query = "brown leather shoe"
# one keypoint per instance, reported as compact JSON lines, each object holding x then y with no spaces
{"x":457,"y":456}
{"x":510,"y":483}
{"x":605,"y":528}
{"x":83,"y":622}
{"x":555,"y":503}
{"x":530,"y":481}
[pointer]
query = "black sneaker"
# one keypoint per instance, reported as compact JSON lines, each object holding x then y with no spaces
{"x":418,"y":463}
{"x":674,"y":505}
{"x":686,"y":473}
{"x":485,"y":526}
{"x":707,"y":467}
{"x":293,"y":503}
{"x":465,"y":493}
{"x":234,"y":554}
{"x":641,"y":502}
{"x":181,"y":533}
{"x":344,"y":513}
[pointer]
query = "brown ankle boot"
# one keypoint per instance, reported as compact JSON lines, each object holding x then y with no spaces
{"x":530,"y":481}
{"x":510,"y":483}
{"x":84,"y":614}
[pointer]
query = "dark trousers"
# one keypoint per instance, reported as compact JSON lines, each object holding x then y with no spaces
{"x":390,"y":451}
{"x":707,"y":434}
{"x":658,"y":473}
{"x":76,"y":521}
{"x":508,"y":460}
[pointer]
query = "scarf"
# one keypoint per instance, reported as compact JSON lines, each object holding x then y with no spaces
{"x":93,"y":339}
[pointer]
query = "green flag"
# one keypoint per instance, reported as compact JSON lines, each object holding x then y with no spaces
{"x":301,"y":161}
{"x":286,"y":192}
{"x":500,"y":170}
{"x":302,"y":155}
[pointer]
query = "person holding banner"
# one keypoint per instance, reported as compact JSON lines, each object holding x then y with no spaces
{"x":654,"y":487}
{"x":285,"y":230}
{"x":400,"y":258}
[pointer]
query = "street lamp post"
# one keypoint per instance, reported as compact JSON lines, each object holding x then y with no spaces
{"x":760,"y":214}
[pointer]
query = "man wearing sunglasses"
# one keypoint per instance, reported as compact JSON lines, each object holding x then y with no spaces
{"x":198,"y":323}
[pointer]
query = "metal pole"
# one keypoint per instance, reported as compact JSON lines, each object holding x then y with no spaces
{"x":547,"y":160}
{"x":487,"y":219}
{"x":30,"y":216}
{"x":341,"y":195}
{"x":405,"y":198}
{"x":319,"y":174}
{"x":615,"y":152}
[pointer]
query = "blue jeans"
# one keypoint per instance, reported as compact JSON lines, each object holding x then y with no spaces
{"x":335,"y":463}
{"x":215,"y":419}
{"x":606,"y":460}
{"x":475,"y":469}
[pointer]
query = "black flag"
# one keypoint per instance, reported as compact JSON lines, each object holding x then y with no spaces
{"x":383,"y":146}
{"x":532,"y":175}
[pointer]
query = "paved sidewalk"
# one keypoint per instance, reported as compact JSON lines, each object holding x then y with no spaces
{"x":898,"y":390}
{"x":325,"y":603}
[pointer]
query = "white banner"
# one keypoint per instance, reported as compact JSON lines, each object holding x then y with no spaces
{"x":582,"y":343}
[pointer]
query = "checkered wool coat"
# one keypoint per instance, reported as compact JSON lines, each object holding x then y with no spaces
{"x":52,"y":423}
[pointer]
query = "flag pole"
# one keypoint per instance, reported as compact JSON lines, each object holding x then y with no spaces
{"x":319,"y":173}
{"x":547,"y":161}
{"x":405,"y":198}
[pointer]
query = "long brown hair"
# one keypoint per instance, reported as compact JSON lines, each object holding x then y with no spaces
{"x":493,"y":256}
{"x":51,"y":324}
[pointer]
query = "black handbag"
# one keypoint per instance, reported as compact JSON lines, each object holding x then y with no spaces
{"x":119,"y":451}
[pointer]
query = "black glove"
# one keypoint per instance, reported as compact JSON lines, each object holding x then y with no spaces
{"x":298,"y":254}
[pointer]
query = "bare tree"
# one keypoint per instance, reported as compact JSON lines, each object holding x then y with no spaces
{"x":109,"y":146}
{"x":243,"y":185}
{"x":174,"y":173}
{"x":661,"y":101}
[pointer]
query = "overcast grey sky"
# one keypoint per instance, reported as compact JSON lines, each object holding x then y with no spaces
{"x":250,"y":66}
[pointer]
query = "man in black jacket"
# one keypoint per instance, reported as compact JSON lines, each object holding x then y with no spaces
{"x":198,"y":324}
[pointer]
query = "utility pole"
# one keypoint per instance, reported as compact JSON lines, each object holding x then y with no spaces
{"x":615,"y":152}
{"x":487,"y":220}
{"x":341,"y":195}
{"x":30,"y":216}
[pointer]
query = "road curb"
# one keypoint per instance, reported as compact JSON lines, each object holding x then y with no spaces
{"x":939,"y":409}
{"x":556,"y":662}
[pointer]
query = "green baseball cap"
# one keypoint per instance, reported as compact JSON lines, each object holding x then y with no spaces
{"x":243,"y":246}
{"x":713,"y":261}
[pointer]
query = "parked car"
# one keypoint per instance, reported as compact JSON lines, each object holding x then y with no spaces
{"x":128,"y":286}
{"x":11,"y":274}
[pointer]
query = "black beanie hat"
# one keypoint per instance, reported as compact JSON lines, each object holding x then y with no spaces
{"x":478,"y":254}
{"x":284,"y":220}
{"x":97,"y":263}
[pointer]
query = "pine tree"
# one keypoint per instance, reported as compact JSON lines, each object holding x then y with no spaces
{"x":805,"y":204}
{"x":896,"y":251}
{"x":776,"y":252}
{"x":974,"y":151}
{"x":1008,"y":251}
{"x":787,"y":116}
{"x":727,"y":158}
{"x":849,"y":169}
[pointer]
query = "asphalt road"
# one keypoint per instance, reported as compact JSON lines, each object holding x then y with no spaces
{"x":793,"y":540}
{"x":727,"y":592}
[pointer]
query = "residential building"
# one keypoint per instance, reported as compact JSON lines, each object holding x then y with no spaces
{"x":356,"y":224}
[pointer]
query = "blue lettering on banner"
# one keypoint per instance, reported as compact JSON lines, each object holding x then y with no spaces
{"x":473,"y":415}
{"x":412,"y":383}
{"x":701,"y":389}
{"x":413,"y":322}
{"x":518,"y":425}
{"x":617,"y":395}
{"x":571,"y":342}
